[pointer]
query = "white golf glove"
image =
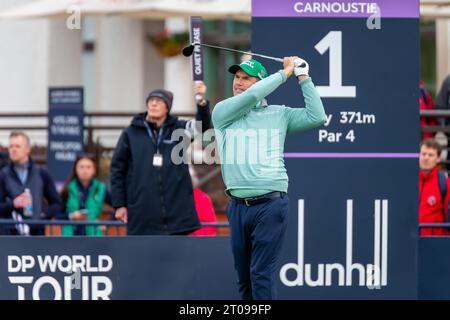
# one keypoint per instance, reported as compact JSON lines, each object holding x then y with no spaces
{"x":301,"y":71}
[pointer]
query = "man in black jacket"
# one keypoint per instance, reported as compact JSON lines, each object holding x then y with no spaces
{"x":4,"y":159}
{"x":443,"y":96}
{"x":26,"y":190}
{"x":150,"y":192}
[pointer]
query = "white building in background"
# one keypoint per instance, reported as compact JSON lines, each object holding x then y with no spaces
{"x":442,"y":50}
{"x":110,"y":56}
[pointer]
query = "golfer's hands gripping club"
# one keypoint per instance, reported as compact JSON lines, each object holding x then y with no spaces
{"x":289,"y":66}
{"x":301,"y":69}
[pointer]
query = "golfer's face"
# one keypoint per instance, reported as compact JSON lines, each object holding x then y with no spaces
{"x":242,"y":82}
{"x":156,"y":107}
{"x":428,"y":158}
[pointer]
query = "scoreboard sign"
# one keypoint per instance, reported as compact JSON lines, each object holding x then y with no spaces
{"x":353,"y":182}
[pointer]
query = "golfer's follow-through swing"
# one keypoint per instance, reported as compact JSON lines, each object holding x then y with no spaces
{"x":259,"y":203}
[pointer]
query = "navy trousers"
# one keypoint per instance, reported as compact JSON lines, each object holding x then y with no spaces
{"x":257,"y":234}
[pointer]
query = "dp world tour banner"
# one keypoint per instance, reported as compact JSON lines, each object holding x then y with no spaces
{"x":65,"y":130}
{"x":116,"y":268}
{"x":353,"y":181}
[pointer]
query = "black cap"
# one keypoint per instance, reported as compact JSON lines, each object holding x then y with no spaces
{"x":166,"y":95}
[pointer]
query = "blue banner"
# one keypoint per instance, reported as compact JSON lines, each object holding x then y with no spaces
{"x":116,"y":268}
{"x":353,"y":182}
{"x":201,"y":268}
{"x":65,"y":130}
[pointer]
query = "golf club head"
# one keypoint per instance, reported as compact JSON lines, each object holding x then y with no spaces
{"x":187,"y":52}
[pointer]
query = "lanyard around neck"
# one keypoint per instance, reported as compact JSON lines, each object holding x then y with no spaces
{"x":158,"y":139}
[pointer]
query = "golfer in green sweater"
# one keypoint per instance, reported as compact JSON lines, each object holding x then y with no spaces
{"x":250,"y":136}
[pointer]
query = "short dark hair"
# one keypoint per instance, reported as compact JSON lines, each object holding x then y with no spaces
{"x":22,"y":134}
{"x":432,"y":144}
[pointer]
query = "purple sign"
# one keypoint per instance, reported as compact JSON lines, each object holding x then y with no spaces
{"x":338,"y":9}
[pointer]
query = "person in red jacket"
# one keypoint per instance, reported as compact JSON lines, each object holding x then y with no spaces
{"x":426,"y":103}
{"x":432,"y":208}
{"x":204,"y":208}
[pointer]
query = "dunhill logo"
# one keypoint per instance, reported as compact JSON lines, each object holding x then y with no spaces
{"x":374,"y":276}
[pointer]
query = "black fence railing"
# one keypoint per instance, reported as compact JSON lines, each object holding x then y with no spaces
{"x":435,"y":225}
{"x":92,"y":223}
{"x":110,"y":227}
{"x":90,"y":118}
{"x":121,"y":224}
{"x":440,"y":114}
{"x":62,"y":222}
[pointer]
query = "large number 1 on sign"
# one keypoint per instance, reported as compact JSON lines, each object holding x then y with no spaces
{"x":333,"y":41}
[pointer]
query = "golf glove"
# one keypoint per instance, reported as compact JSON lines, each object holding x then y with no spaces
{"x":301,"y":71}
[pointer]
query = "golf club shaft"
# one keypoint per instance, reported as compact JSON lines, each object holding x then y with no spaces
{"x":239,"y":51}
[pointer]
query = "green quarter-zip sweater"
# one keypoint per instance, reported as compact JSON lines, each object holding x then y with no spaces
{"x":250,"y":135}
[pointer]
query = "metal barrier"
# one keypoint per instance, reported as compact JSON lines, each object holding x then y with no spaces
{"x":434,"y":225}
{"x":435,"y":114}
{"x":444,"y":225}
{"x":89,"y":126}
{"x":121,"y":224}
{"x":106,"y":223}
{"x":62,"y":222}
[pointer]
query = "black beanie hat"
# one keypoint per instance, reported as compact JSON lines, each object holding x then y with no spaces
{"x":166,"y":95}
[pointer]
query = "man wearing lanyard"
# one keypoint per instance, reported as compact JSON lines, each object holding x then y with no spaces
{"x":150,"y":192}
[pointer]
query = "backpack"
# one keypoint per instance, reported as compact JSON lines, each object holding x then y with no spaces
{"x":442,"y":184}
{"x":442,"y":179}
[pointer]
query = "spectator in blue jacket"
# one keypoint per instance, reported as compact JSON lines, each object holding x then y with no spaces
{"x":41,"y":202}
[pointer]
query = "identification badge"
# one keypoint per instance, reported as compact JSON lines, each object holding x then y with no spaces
{"x":157,"y":160}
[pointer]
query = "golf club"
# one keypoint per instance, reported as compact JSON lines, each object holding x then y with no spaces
{"x":187,"y":52}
